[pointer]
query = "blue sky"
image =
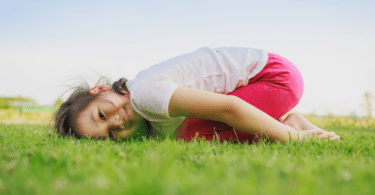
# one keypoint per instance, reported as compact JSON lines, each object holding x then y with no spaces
{"x":46,"y":43}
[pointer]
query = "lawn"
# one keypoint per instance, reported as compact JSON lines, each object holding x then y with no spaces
{"x":33,"y":161}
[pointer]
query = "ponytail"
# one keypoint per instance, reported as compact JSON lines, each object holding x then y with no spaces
{"x":119,"y":85}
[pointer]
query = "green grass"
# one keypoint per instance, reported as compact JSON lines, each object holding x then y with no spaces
{"x":33,"y":162}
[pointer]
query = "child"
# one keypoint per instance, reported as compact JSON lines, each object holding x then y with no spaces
{"x":224,"y":93}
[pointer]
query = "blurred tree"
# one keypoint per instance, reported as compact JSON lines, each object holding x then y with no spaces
{"x":19,"y":99}
{"x":59,"y":102}
{"x":4,"y":104}
{"x":368,"y":106}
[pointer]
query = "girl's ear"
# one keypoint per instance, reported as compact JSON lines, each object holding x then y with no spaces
{"x":99,"y":89}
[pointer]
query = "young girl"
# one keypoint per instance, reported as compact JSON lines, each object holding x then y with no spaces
{"x":236,"y":94}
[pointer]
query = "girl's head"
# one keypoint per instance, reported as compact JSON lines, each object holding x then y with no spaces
{"x":98,"y":112}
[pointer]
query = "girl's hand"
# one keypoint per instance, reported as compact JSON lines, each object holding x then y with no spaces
{"x":317,"y":134}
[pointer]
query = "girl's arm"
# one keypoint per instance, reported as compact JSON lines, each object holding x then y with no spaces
{"x":235,"y":112}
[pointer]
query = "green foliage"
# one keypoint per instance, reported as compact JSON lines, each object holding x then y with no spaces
{"x":18,"y":99}
{"x":4,"y":104}
{"x":35,"y":162}
{"x":4,"y":101}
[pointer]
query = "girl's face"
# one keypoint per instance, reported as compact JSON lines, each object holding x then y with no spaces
{"x":110,"y":114}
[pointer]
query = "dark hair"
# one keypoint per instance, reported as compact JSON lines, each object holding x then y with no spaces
{"x":119,"y":85}
{"x":66,"y":116}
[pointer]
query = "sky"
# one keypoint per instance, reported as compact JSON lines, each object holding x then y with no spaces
{"x":48,"y":45}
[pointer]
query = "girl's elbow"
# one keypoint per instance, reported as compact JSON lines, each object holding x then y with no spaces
{"x":230,"y":108}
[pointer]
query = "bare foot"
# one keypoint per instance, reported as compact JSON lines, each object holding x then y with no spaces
{"x":298,"y":122}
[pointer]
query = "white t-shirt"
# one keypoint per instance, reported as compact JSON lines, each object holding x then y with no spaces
{"x":219,"y":70}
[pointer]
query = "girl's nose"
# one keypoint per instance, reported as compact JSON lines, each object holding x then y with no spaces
{"x":116,"y":120}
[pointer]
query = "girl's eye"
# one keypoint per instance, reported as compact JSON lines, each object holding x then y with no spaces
{"x":101,"y":116}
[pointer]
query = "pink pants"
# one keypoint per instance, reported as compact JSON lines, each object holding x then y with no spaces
{"x":275,"y":90}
